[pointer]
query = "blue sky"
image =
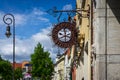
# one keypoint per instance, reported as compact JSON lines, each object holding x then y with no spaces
{"x":33,"y":24}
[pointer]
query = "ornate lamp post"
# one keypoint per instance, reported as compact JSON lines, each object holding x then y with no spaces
{"x":10,"y":19}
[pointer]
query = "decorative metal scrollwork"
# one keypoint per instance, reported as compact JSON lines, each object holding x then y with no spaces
{"x":8,"y":19}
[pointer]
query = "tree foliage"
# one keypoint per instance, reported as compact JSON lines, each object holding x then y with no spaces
{"x":1,"y":58}
{"x":42,"y":65}
{"x":5,"y":69}
{"x":18,"y":73}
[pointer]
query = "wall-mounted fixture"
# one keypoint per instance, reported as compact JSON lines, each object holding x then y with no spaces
{"x":79,"y":47}
{"x":79,"y":11}
{"x":81,"y":40}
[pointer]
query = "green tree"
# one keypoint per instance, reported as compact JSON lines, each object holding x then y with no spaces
{"x":18,"y":73}
{"x":42,"y":65}
{"x":1,"y":58}
{"x":5,"y":70}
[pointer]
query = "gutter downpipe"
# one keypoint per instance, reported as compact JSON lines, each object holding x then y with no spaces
{"x":91,"y":34}
{"x":105,"y":39}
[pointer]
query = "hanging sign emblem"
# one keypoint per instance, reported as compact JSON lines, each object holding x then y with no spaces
{"x":64,"y":34}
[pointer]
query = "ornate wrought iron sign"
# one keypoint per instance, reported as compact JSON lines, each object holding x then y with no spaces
{"x":64,"y":34}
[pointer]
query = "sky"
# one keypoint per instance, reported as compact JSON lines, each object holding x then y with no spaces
{"x":33,"y":24}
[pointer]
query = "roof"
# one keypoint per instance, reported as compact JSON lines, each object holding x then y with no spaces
{"x":28,"y":64}
{"x":17,"y":65}
{"x":67,"y":52}
{"x":24,"y":62}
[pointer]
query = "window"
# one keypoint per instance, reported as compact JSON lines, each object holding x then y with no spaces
{"x":83,"y":3}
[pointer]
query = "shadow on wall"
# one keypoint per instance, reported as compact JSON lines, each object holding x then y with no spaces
{"x":94,"y":3}
{"x":115,"y":7}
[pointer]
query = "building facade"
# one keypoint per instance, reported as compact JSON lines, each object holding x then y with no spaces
{"x":106,"y":41}
{"x":99,"y":55}
{"x":69,"y":69}
{"x":63,"y":66}
{"x":83,"y":24}
{"x":59,"y":67}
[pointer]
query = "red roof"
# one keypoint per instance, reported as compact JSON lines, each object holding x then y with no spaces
{"x":67,"y":52}
{"x":17,"y":65}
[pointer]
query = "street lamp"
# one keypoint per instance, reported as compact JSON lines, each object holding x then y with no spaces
{"x":10,"y":19}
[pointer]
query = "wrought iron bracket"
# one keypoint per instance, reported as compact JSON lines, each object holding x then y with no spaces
{"x":79,"y":11}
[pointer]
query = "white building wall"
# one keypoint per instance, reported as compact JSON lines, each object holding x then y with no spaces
{"x":107,"y":40}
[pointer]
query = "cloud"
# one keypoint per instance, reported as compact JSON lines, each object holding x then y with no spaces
{"x":24,"y":48}
{"x":36,"y":17}
{"x":22,"y":19}
{"x":43,"y":38}
{"x":19,"y":19}
{"x":43,"y":19}
{"x":37,"y":11}
{"x":67,"y":7}
{"x":1,"y":18}
{"x":6,"y":49}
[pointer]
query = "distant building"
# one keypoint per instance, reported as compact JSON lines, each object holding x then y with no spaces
{"x":68,"y":68}
{"x":26,"y":66}
{"x":59,"y":67}
{"x":62,"y":67}
{"x":17,"y":65}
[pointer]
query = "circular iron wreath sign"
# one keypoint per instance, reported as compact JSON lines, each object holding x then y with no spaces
{"x":64,"y":34}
